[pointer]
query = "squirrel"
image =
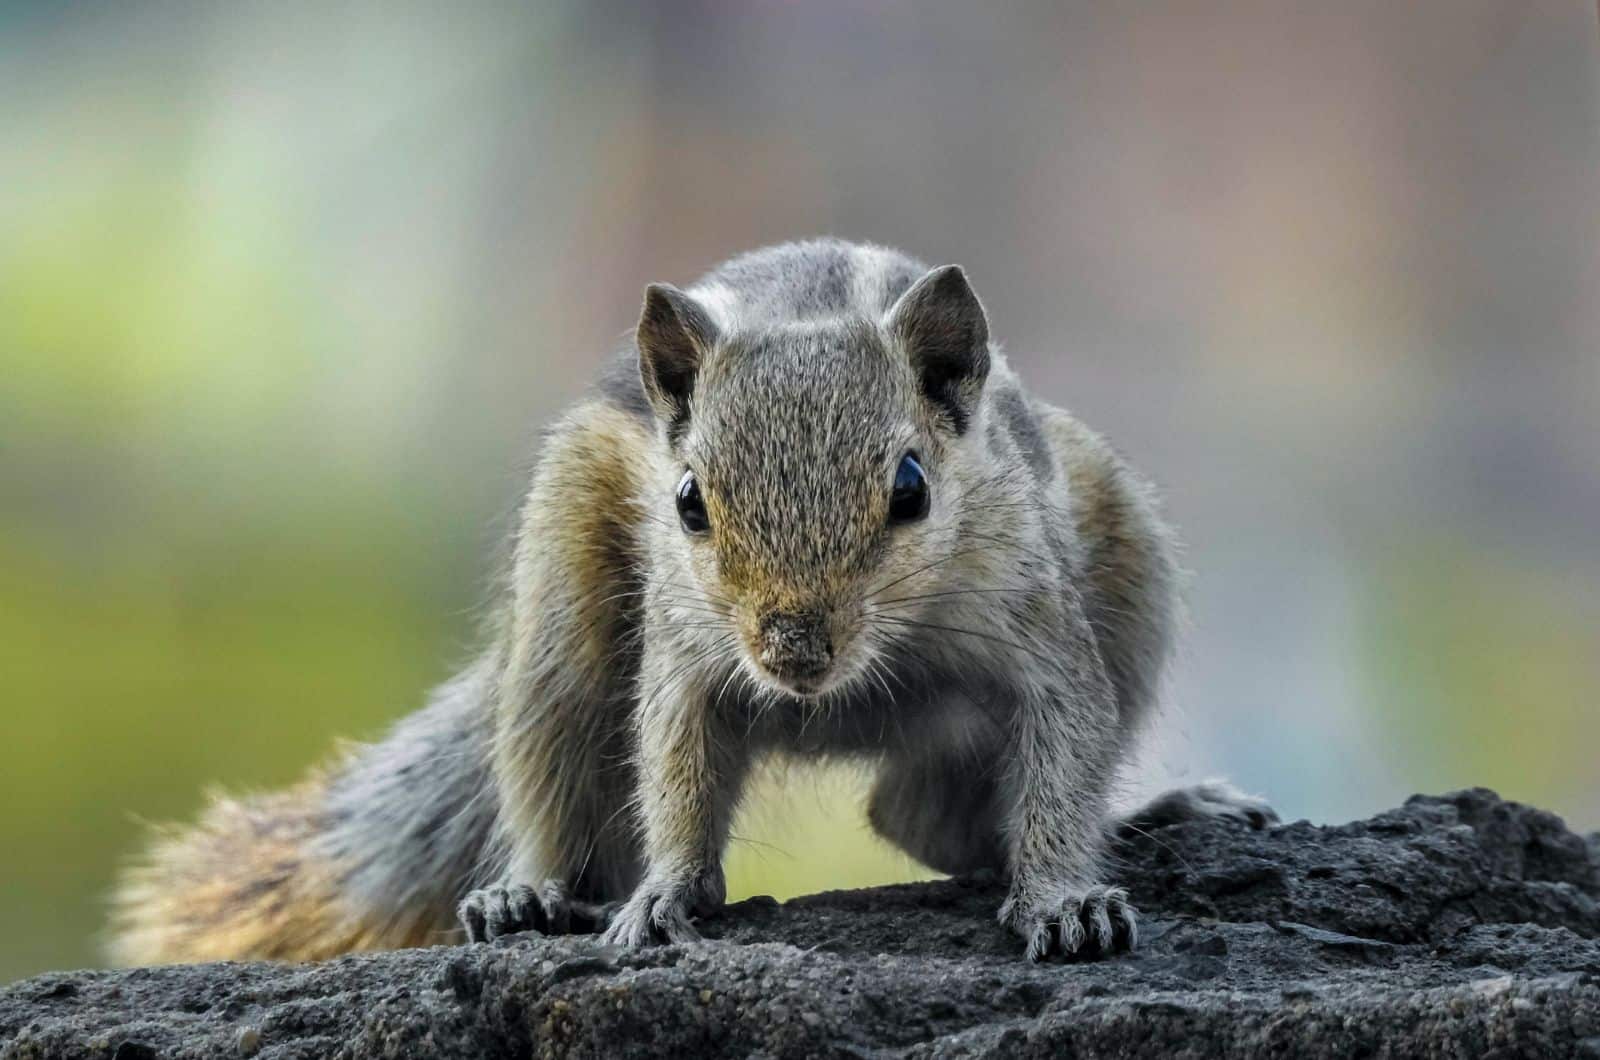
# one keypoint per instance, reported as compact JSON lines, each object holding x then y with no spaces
{"x":810,"y":511}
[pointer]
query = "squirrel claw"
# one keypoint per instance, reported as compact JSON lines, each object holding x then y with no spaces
{"x":653,"y":915}
{"x":503,"y":909}
{"x":1094,"y":923}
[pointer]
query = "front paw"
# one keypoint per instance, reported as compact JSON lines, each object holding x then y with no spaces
{"x":657,"y":912}
{"x":1090,"y":921}
{"x":507,"y":908}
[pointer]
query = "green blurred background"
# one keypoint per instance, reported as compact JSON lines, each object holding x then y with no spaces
{"x":286,"y":292}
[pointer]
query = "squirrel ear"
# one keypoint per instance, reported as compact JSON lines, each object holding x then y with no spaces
{"x":675,"y":332}
{"x":940,"y":324}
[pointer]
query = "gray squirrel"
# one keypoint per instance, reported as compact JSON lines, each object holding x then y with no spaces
{"x":811,"y":512}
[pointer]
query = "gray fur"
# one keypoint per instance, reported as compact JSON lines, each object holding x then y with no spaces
{"x":376,"y":822}
{"x":996,"y":658}
{"x":1204,"y":801}
{"x":620,"y":385}
{"x":1018,"y":419}
{"x":799,"y":412}
{"x":782,"y":284}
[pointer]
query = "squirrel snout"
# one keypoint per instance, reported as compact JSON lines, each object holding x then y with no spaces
{"x":795,"y":645}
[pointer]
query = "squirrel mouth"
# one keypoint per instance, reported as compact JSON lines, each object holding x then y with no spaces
{"x":805,"y":683}
{"x":813,"y":682}
{"x":804,"y":687}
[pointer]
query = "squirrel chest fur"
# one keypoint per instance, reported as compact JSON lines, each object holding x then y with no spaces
{"x":811,"y":512}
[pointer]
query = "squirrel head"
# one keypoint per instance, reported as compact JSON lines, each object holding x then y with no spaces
{"x":813,"y":474}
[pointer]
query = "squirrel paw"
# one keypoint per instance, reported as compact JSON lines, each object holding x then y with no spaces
{"x":1097,"y":921}
{"x":507,"y":908}
{"x":657,"y":912}
{"x":1209,"y":799}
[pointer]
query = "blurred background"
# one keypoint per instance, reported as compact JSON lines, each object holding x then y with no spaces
{"x":287,"y":292}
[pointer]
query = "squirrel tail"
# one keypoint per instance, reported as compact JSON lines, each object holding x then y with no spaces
{"x":244,"y":883}
{"x":371,"y":854}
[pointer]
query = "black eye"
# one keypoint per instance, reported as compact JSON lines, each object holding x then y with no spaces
{"x":909,"y":501}
{"x":691,"y":506}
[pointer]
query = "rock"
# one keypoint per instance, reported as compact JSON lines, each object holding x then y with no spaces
{"x":1454,"y":926}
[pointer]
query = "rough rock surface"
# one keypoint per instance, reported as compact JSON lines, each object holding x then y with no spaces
{"x":1453,"y":926}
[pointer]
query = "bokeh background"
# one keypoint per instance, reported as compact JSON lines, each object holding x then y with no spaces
{"x":286,"y":292}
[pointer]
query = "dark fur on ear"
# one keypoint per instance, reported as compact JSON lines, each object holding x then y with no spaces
{"x":675,"y":333}
{"x":941,"y":326}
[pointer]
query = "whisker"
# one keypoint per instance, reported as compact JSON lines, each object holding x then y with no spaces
{"x":946,"y":558}
{"x":956,"y":592}
{"x":917,"y":624}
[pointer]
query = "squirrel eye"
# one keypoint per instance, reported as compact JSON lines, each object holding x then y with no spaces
{"x":691,"y":506}
{"x":909,"y":500}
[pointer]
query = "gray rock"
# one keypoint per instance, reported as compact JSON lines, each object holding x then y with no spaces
{"x":1453,"y":926}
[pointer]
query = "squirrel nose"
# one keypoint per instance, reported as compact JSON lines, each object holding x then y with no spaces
{"x":795,"y":644}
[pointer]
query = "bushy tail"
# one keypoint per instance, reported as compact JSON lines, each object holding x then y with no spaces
{"x":372,"y":854}
{"x":241,"y":884}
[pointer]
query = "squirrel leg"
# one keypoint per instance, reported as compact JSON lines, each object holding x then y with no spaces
{"x":688,"y":791}
{"x":941,"y":807}
{"x":566,"y":829}
{"x":1062,"y":761}
{"x":568,"y":833}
